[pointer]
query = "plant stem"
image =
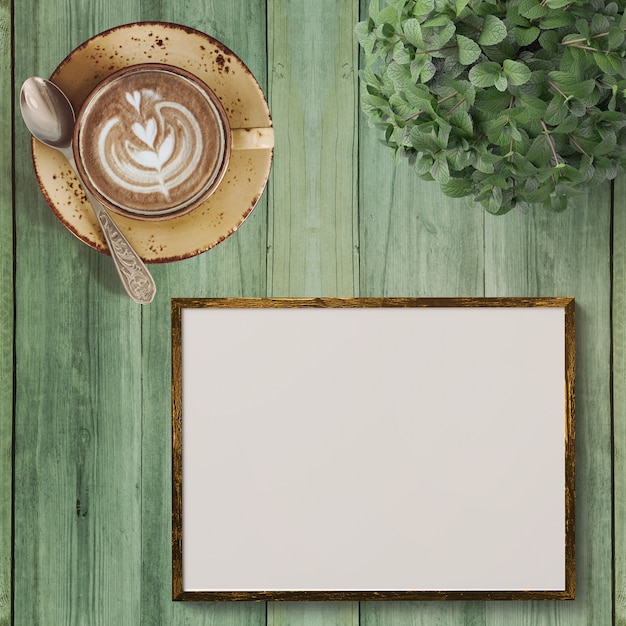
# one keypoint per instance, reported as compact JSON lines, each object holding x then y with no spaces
{"x":578,"y":146}
{"x":550,"y":142}
{"x":414,"y":115}
{"x":435,"y":50}
{"x":456,"y":106}
{"x":588,"y":48}
{"x":556,"y":88}
{"x":581,"y":39}
{"x":448,"y":97}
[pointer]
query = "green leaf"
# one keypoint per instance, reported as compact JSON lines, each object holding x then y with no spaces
{"x":493,"y":31}
{"x":457,"y":187}
{"x":440,"y":170}
{"x":535,"y":108}
{"x":521,"y":166}
{"x":570,"y":86}
{"x":420,"y":99}
{"x":558,"y":4}
{"x":563,"y":18}
{"x":428,"y":71}
{"x":446,"y":33}
{"x":616,"y":37}
{"x":423,"y":165}
{"x":400,"y":54}
{"x":493,"y":202}
{"x":362,"y":30}
{"x":569,"y":124}
{"x":514,"y":18}
{"x":611,"y":9}
{"x":501,"y":83}
{"x":459,"y":5}
{"x":532,"y":9}
{"x":517,"y":72}
{"x":462,"y":121}
{"x":582,"y":26}
{"x":416,"y":67}
{"x":556,"y":203}
{"x":413,"y":33}
{"x":400,"y":106}
{"x":569,"y":173}
{"x":495,"y":129}
{"x":423,"y":142}
{"x":469,"y":50}
{"x":466,"y":90}
{"x":540,"y":194}
{"x":484,"y":74}
{"x":600,"y":24}
{"x":437,"y":20}
{"x":608,"y":63}
{"x":525,"y":36}
{"x":388,"y":15}
{"x":490,"y":103}
{"x":539,"y":153}
{"x":459,"y":158}
{"x":549,"y":40}
{"x":485,"y":162}
{"x":374,"y":8}
{"x":388,"y":30}
{"x":556,"y":112}
{"x":423,"y":7}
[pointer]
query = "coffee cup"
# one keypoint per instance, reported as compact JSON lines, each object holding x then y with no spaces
{"x":153,"y":141}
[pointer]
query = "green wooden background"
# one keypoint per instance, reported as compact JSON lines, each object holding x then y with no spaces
{"x":85,"y":373}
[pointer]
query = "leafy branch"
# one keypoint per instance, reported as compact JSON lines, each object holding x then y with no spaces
{"x":512,"y":103}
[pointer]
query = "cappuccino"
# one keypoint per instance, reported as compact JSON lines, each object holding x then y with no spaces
{"x":152,"y":141}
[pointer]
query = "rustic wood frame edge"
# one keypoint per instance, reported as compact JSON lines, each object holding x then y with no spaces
{"x":178,"y":592}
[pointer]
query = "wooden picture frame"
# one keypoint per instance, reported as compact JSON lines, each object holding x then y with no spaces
{"x":373,"y":449}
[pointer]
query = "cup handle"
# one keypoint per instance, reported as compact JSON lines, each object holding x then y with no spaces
{"x":252,"y":138}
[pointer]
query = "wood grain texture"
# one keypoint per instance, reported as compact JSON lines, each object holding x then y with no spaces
{"x":569,"y":255}
{"x":312,"y":219}
{"x":237,"y":267}
{"x":78,"y":394}
{"x":6,"y":314}
{"x":619,"y":398}
{"x":415,"y":242}
{"x":312,"y":216}
{"x":92,"y":404}
{"x":313,"y":614}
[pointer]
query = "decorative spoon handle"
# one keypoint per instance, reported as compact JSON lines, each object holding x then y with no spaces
{"x":135,"y":277}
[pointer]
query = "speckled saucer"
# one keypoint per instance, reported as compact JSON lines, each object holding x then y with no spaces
{"x":245,"y":104}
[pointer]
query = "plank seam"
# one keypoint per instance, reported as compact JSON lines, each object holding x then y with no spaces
{"x":612,"y":399}
{"x":14,"y":321}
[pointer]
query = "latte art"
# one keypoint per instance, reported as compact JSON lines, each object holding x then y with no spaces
{"x":151,"y":142}
{"x":159,"y":153}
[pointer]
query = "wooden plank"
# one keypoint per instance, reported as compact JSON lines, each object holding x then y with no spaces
{"x":6,"y":314}
{"x":415,"y":242}
{"x":619,"y":397}
{"x":568,"y":254}
{"x":312,"y":235}
{"x":78,"y":393}
{"x":312,"y":224}
{"x":236,"y":267}
{"x":313,"y":613}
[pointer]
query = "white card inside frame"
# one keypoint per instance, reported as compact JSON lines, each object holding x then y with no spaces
{"x":373,"y":449}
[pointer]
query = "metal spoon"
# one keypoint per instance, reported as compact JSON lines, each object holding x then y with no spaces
{"x":49,"y":116}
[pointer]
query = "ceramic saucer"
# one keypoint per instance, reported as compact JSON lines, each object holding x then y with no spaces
{"x":248,"y":171}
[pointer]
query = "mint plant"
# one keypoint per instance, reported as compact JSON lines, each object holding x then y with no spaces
{"x":513,"y":103}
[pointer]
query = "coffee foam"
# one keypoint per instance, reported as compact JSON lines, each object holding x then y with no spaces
{"x":151,"y":141}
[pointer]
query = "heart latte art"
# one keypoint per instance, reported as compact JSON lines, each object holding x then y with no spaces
{"x":150,"y":142}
